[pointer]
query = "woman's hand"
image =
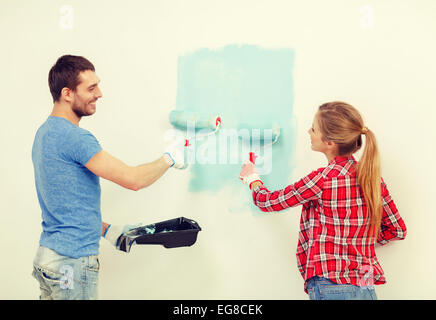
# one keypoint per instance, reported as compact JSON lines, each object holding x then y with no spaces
{"x":249,"y":174}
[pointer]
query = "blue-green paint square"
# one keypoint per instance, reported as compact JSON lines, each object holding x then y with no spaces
{"x":248,"y":87}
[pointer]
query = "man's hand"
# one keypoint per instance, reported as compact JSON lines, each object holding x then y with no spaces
{"x":176,"y":155}
{"x":249,"y":174}
{"x":114,"y":232}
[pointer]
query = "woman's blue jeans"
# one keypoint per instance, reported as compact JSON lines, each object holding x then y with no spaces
{"x":325,"y":289}
{"x":65,"y":278}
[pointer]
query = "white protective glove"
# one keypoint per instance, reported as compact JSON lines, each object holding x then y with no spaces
{"x":114,"y":232}
{"x":176,"y":154}
{"x":249,"y":173}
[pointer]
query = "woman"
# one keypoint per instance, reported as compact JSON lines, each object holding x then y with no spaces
{"x":346,"y":208}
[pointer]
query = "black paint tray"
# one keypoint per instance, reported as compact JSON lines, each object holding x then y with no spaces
{"x":174,"y":233}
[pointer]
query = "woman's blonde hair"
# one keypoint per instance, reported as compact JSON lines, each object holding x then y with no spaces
{"x":342,"y":124}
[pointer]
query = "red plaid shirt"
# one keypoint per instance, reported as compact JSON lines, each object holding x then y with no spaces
{"x":333,"y":241}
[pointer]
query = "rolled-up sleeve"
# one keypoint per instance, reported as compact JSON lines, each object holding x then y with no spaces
{"x":308,"y":188}
{"x":392,"y":225}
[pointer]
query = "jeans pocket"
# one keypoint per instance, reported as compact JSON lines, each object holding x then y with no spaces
{"x":92,"y":272}
{"x":94,"y":264}
{"x":52,"y":284}
{"x":90,"y":285}
{"x":49,"y":276}
{"x":337,"y":292}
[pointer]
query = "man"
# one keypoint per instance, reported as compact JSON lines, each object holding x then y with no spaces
{"x":68,"y":162}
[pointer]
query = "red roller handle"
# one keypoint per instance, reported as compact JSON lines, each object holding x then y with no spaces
{"x":252,"y":157}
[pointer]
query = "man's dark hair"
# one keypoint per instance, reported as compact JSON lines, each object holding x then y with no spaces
{"x":65,"y":74}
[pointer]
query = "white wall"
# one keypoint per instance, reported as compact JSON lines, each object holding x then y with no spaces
{"x":376,"y":55}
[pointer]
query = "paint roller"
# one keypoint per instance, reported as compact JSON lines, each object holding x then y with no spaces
{"x":183,"y":119}
{"x":266,"y":134}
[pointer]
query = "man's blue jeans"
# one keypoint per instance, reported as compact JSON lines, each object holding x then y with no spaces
{"x":65,"y":278}
{"x":324,"y":289}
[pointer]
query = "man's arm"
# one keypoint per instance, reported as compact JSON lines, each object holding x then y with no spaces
{"x":108,"y":167}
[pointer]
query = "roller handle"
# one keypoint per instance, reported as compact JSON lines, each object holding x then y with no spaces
{"x":217,"y":124}
{"x":252,"y":157}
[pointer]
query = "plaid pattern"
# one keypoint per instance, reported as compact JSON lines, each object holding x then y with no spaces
{"x":333,"y":240}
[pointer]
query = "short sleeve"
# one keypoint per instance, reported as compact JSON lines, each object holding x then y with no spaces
{"x":83,"y":146}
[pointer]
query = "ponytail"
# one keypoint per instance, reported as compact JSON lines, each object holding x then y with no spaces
{"x":341,"y":123}
{"x":369,"y":177}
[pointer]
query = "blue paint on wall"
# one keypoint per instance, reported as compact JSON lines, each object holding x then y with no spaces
{"x":249,"y":87}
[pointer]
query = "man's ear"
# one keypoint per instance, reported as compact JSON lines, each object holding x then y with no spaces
{"x":67,"y":94}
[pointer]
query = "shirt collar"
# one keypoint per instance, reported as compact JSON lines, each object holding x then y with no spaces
{"x":339,"y":159}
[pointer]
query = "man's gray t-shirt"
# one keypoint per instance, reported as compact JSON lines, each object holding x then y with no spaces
{"x":68,"y":193}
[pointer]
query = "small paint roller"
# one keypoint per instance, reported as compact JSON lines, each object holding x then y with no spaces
{"x":266,"y":135}
{"x":183,"y":119}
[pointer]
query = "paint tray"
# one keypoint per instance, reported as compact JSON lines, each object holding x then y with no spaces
{"x":174,"y":233}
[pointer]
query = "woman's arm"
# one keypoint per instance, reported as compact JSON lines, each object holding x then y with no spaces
{"x":392,"y":225}
{"x":306,"y":189}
